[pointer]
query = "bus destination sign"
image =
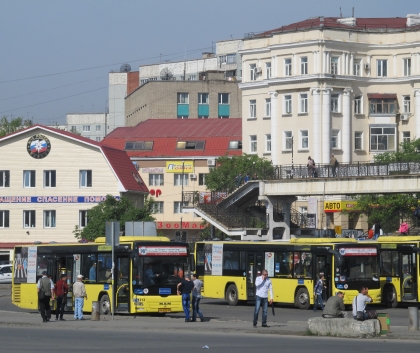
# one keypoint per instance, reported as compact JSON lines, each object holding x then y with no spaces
{"x":157,"y":250}
{"x":358,"y":251}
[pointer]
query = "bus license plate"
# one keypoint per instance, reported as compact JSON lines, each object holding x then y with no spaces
{"x":164,"y":310}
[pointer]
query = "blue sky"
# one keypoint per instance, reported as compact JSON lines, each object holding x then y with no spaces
{"x":56,"y":54}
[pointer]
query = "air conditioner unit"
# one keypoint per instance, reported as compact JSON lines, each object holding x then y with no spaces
{"x":193,"y":176}
{"x":404,"y":117}
{"x":366,"y":66}
{"x":211,"y":162}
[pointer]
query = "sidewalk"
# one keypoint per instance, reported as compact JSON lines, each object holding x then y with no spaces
{"x":135,"y":323}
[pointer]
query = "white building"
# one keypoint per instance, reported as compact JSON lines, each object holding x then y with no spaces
{"x":91,"y":126}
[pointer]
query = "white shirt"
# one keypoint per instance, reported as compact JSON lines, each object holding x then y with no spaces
{"x":38,"y":285}
{"x":197,"y":288}
{"x":263,"y":286}
{"x":361,"y":303}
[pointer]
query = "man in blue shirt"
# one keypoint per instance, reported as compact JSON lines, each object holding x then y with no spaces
{"x":92,"y":272}
{"x":263,"y":285}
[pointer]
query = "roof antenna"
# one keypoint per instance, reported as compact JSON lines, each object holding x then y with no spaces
{"x":341,"y":15}
{"x":352,"y":12}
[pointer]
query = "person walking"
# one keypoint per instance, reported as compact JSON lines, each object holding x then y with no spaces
{"x":334,"y":164}
{"x":335,"y":306}
{"x":79,"y":292}
{"x":60,"y":290}
{"x":377,"y":229}
{"x":196,"y":297}
{"x":185,"y":288}
{"x":263,"y":285}
{"x":311,"y":167}
{"x":45,"y":289}
{"x":319,"y":286}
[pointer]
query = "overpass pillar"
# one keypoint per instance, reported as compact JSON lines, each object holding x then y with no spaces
{"x":279,"y":223}
{"x":274,"y":128}
{"x":346,"y":145}
{"x":326,"y":125}
{"x":417,"y":111}
{"x":316,"y":134}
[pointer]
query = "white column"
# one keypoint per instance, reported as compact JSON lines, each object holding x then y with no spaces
{"x":347,"y":64}
{"x":395,"y":65}
{"x":326,"y":125}
{"x":274,"y":128}
{"x":315,"y":61}
{"x":346,"y":131}
{"x":294,"y":68}
{"x":417,"y":111}
{"x":369,"y":73}
{"x":273,"y":66}
{"x":413,"y":63}
{"x":343,"y":64}
{"x":316,"y":124}
{"x":351,"y":64}
{"x":325,"y":66}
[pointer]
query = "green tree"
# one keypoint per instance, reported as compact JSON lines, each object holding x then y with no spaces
{"x":15,"y":124}
{"x":111,"y":209}
{"x":408,"y":151}
{"x":222,"y":178}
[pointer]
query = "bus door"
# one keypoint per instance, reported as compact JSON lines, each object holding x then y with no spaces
{"x":254,"y":269}
{"x":322,"y":264}
{"x":122,"y":274}
{"x":409,"y":277}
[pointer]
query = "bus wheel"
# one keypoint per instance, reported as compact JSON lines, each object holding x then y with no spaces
{"x":232,"y":295}
{"x":104,"y":305}
{"x":390,"y":297}
{"x":302,"y":299}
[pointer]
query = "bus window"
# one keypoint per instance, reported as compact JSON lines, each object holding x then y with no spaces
{"x":88,"y":268}
{"x":231,"y":260}
{"x":45,"y":263}
{"x":104,"y":268}
{"x":389,"y":263}
{"x":283,"y":264}
{"x":307,"y":264}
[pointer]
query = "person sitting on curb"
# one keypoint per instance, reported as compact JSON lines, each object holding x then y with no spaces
{"x":335,"y":306}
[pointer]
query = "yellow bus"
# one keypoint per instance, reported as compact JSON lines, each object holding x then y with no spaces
{"x":399,"y":269}
{"x":229,"y":269}
{"x":146,"y":273}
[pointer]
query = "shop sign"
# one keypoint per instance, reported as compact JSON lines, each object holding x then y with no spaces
{"x":53,"y":199}
{"x":177,"y":225}
{"x":338,"y":206}
{"x":176,"y":167}
{"x":152,"y":170}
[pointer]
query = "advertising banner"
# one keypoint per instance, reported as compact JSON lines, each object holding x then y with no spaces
{"x":176,"y":167}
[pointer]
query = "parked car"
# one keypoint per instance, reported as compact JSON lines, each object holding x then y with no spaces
{"x":5,"y":274}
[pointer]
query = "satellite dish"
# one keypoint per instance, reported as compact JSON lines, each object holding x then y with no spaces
{"x":166,"y":74}
{"x":125,"y":68}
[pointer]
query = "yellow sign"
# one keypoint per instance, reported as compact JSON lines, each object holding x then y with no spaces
{"x":104,"y":247}
{"x":338,"y":206}
{"x":337,"y":230}
{"x":176,"y":167}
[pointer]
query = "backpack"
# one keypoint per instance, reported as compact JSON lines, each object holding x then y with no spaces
{"x":336,"y":163}
{"x":370,"y":234}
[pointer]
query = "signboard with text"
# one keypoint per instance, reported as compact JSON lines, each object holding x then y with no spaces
{"x":177,"y":225}
{"x":338,"y":206}
{"x":176,"y":167}
{"x":53,"y":199}
{"x":162,"y":250}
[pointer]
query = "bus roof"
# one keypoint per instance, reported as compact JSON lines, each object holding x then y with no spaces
{"x":297,"y":241}
{"x":398,"y":239}
{"x":322,"y":240}
{"x":125,"y":239}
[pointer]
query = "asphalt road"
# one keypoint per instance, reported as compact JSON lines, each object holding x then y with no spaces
{"x":29,"y":339}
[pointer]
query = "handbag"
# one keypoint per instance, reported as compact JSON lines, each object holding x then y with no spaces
{"x":372,"y":314}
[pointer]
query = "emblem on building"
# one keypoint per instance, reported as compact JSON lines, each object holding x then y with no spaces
{"x":38,"y":146}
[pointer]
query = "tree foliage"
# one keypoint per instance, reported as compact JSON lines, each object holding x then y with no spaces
{"x":408,"y":151}
{"x":15,"y":124}
{"x":222,"y":178}
{"x":122,"y":210}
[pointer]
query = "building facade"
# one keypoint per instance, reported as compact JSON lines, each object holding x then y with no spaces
{"x":49,"y":179}
{"x":91,"y":126}
{"x":348,"y":86}
{"x":173,"y":157}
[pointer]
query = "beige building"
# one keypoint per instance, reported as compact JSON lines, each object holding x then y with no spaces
{"x":49,"y":178}
{"x":348,"y":86}
{"x":210,"y":96}
{"x":173,"y":157}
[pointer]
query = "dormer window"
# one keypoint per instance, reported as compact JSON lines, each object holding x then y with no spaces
{"x":190,"y":145}
{"x":138,"y":145}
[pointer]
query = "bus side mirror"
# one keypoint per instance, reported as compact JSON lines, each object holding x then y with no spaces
{"x":135,"y":258}
{"x":192,"y":263}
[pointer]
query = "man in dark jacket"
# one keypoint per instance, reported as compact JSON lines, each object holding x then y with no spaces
{"x":46,"y":287}
{"x":185,"y":288}
{"x":60,"y":290}
{"x":335,"y":306}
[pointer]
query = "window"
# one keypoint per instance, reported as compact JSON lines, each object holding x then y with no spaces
{"x":406,"y":104}
{"x":253,"y":108}
{"x":288,"y":67}
{"x":390,"y":263}
{"x":178,"y":177}
{"x":86,"y":128}
{"x":29,"y":178}
{"x":138,"y":145}
{"x":4,"y":219}
{"x":382,"y":138}
{"x":268,"y":107}
{"x":192,"y":78}
{"x":181,"y":236}
{"x":268,"y":143}
{"x":28,"y":219}
{"x":85,"y":179}
{"x":231,"y":58}
{"x":73,"y":129}
{"x":358,"y":105}
{"x":304,"y":65}
{"x":358,"y":140}
{"x":268,"y":70}
{"x":223,"y":98}
{"x":288,"y":140}
{"x":382,"y":66}
{"x":4,"y":178}
{"x":382,"y":106}
{"x":158,"y":207}
{"x":235,"y":145}
{"x":224,"y":107}
{"x":252,"y":73}
{"x":49,"y":219}
{"x":183,"y":98}
{"x":334,"y":103}
{"x":49,"y":178}
{"x":407,"y":67}
{"x":203,"y":98}
{"x":335,"y":139}
{"x":304,"y":139}
{"x":178,"y":207}
{"x":253,"y":143}
{"x":190,"y":145}
{"x":98,"y":139}
{"x":98,"y":127}
{"x":303,"y":106}
{"x":287,"y":104}
{"x":356,"y":67}
{"x":202,"y":179}
{"x":156,"y":179}
{"x":83,"y":220}
{"x":406,"y":136}
{"x":334,"y":65}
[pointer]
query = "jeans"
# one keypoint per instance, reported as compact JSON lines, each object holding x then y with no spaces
{"x":61,"y":303}
{"x":258,"y":303}
{"x":44,"y":308}
{"x":334,"y":171}
{"x":196,"y":308}
{"x":78,"y":308}
{"x":319,"y":301}
{"x":186,"y":305}
{"x":376,"y":236}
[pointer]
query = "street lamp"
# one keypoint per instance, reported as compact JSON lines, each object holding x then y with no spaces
{"x":182,"y":186}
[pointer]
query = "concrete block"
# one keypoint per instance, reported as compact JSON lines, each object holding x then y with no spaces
{"x":344,"y":327}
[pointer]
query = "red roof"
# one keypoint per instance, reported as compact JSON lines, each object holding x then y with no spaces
{"x":12,"y":245}
{"x":118,"y":160}
{"x":331,"y":22}
{"x":382,"y":96}
{"x":217,"y":133}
